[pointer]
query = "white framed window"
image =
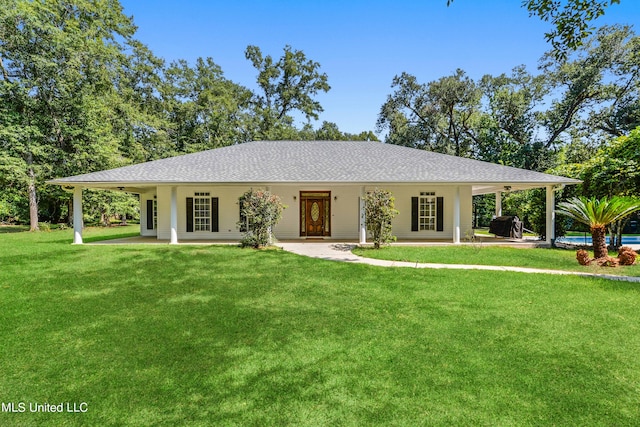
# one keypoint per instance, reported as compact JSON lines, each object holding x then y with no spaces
{"x":202,"y":212}
{"x":427,"y":211}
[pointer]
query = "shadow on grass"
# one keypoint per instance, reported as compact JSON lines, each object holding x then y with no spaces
{"x":5,"y":229}
{"x":619,"y":285}
{"x":92,"y":239}
{"x":218,"y":335}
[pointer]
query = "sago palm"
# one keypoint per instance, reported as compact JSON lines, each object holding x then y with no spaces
{"x":598,"y":214}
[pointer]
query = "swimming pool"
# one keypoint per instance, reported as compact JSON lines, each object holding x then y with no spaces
{"x":586,"y":240}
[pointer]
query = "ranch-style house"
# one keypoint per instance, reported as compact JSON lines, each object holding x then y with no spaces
{"x":195,"y":196}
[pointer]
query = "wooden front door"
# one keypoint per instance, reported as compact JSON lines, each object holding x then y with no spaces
{"x":315,"y":217}
{"x":315,"y":213}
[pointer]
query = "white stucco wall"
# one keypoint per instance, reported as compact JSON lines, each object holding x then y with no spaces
{"x":344,"y":210}
{"x":228,"y":212}
{"x":402,"y":223}
{"x":144,"y":214}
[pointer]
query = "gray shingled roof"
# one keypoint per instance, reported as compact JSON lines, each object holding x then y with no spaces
{"x":314,"y":161}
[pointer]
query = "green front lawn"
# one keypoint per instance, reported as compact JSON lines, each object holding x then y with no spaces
{"x":546,"y":259}
{"x":217,"y":335}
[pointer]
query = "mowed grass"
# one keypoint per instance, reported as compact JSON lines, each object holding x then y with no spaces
{"x":218,"y":335}
{"x":541,"y":258}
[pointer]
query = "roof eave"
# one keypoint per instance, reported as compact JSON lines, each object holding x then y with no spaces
{"x":133,"y":183}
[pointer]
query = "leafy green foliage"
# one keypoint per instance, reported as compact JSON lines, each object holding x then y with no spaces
{"x":101,"y":206}
{"x":611,"y":171}
{"x":78,"y":94}
{"x":615,"y":168}
{"x":529,"y":206}
{"x":483,"y":209}
{"x":260,"y":211}
{"x":598,"y":212}
{"x":437,"y":116}
{"x":493,"y":120}
{"x":505,"y":130}
{"x":379,"y":212}
{"x":571,"y":21}
{"x":520,"y":119}
{"x":62,"y":66}
{"x":599,"y":81}
{"x":207,"y":110}
{"x":287,"y":85}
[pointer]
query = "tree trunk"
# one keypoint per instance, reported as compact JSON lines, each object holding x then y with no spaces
{"x":612,"y":235}
{"x":599,"y":238}
{"x":33,"y":201}
{"x":105,"y":219}
{"x":615,"y":234}
{"x":619,"y":235}
{"x":622,"y":223}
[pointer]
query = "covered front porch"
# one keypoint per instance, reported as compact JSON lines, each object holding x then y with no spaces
{"x":457,"y":216}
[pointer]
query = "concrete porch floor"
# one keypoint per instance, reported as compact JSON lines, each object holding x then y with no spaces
{"x":479,"y":240}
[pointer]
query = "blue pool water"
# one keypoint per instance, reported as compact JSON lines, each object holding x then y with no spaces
{"x":582,"y":240}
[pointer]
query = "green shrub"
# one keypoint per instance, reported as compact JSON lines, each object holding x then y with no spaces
{"x":379,"y":211}
{"x":530,"y":207}
{"x":259,"y":212}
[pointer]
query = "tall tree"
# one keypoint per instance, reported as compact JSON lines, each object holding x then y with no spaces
{"x":599,"y":81}
{"x":620,"y":113}
{"x":142,"y":120}
{"x":58,"y":59}
{"x":330,"y":132}
{"x":507,"y":128}
{"x":288,"y":84}
{"x":206,"y":109}
{"x":438,"y":116}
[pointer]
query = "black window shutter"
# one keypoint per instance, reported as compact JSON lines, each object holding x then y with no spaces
{"x":414,"y":214}
{"x":440,"y":214}
{"x":215,"y":227}
{"x":149,"y":214}
{"x":189,"y":214}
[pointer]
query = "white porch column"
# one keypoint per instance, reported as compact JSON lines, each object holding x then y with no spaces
{"x":456,"y":216}
{"x":363,"y":226}
{"x":550,"y":231}
{"x":498,"y":203}
{"x":174,"y":216}
{"x":77,"y":215}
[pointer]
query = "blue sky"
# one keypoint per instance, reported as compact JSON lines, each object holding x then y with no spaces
{"x":361,"y":45}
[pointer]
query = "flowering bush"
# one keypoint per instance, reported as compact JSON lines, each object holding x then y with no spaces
{"x":259,"y":212}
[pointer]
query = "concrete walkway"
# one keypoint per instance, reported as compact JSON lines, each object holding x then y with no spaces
{"x":342,"y":252}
